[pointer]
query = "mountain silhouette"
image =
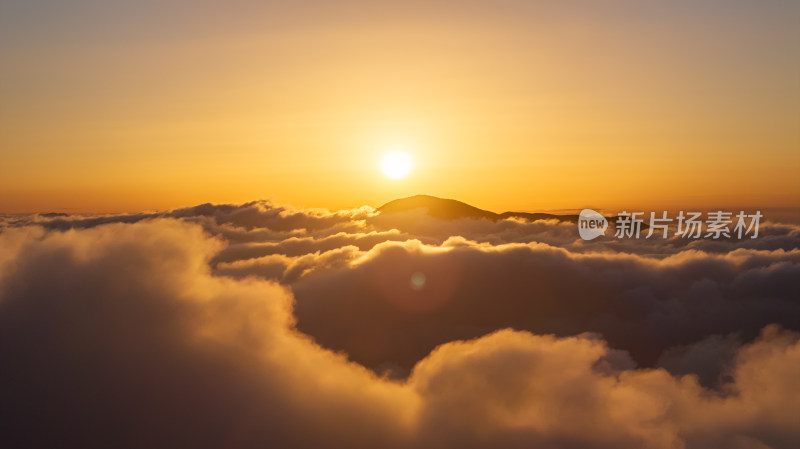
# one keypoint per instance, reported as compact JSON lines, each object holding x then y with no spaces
{"x":447,"y":209}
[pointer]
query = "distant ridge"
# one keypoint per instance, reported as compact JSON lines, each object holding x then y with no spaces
{"x":447,"y":209}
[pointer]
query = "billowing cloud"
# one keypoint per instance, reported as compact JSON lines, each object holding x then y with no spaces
{"x":640,"y":304}
{"x":257,"y":325}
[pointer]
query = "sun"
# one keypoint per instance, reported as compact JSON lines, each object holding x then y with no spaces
{"x":396,"y":164}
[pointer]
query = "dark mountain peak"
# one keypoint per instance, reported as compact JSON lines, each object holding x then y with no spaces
{"x":448,"y":209}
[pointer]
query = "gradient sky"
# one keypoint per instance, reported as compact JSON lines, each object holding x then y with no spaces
{"x":525,"y":105}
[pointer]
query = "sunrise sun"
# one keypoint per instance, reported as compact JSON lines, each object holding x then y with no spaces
{"x":396,"y":164}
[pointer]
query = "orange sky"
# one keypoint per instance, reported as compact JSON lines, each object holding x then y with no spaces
{"x":505,"y":105}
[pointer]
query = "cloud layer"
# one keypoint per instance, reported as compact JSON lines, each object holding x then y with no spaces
{"x":258,"y":325}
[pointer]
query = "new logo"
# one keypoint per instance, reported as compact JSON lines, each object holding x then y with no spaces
{"x":591,"y":224}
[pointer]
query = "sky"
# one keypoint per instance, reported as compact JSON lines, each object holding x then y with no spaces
{"x":111,"y":106}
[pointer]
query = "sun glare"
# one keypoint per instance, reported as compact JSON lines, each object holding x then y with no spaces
{"x":396,"y":164}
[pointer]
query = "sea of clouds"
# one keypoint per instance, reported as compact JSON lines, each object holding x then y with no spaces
{"x":259,"y":325}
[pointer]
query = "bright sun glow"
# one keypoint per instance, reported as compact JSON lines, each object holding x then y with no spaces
{"x":396,"y":164}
